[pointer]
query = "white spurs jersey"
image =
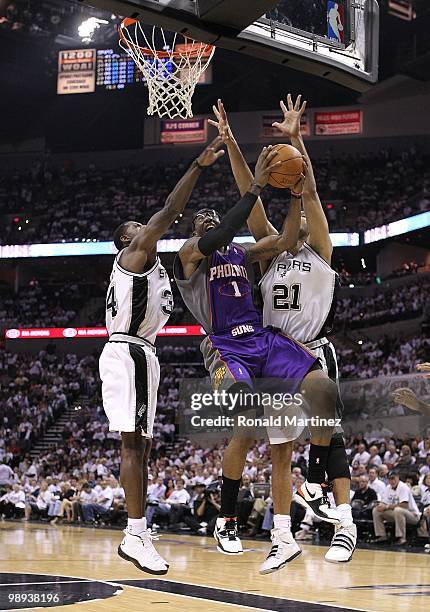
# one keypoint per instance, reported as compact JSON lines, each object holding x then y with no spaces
{"x":138,"y":304}
{"x":299,"y":294}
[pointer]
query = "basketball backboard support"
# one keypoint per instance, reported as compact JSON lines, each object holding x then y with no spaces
{"x":344,"y":47}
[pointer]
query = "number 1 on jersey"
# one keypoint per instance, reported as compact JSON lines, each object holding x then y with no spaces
{"x":237,"y":292}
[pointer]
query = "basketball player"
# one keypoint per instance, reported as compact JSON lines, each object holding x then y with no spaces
{"x":138,"y":304}
{"x":299,"y":293}
{"x":212,"y":274}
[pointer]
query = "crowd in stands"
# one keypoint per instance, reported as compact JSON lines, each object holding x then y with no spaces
{"x":78,"y":483}
{"x":34,"y":391}
{"x":375,"y":195}
{"x":369,"y":277}
{"x":38,"y":304}
{"x":67,"y":204}
{"x":405,"y":302}
{"x":388,"y":356}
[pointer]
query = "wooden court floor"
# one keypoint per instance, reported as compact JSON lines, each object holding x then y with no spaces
{"x":81,"y":565}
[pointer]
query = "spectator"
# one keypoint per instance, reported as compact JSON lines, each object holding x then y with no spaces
{"x":406,"y":463}
{"x":156,"y":490}
{"x":362,"y":456}
{"x":6,"y":475}
{"x":38,"y":506}
{"x":179,"y":497}
{"x":205,"y":506}
{"x":12,"y":503}
{"x":397,"y":506}
{"x":101,"y":506}
{"x":374,"y":459}
{"x":362,"y":502}
{"x":86,"y":496}
{"x":374,"y":483}
{"x":425,"y":469}
{"x":391,"y":457}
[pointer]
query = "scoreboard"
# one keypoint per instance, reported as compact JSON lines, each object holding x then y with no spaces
{"x":90,"y":70}
{"x":116,"y":70}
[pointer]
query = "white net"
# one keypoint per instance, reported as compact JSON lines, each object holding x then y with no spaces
{"x":172,"y":73}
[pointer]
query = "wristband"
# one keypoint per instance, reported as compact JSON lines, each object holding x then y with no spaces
{"x":298,"y":196}
{"x":199,"y":166}
{"x":253,"y":186}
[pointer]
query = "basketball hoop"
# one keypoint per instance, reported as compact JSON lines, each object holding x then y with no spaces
{"x":171,"y":73}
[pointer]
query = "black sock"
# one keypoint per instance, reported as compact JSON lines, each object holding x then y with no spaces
{"x":318,"y":456}
{"x":229,"y":493}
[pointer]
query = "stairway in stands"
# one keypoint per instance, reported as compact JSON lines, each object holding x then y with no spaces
{"x":53,"y":433}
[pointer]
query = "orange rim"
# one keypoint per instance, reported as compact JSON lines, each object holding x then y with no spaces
{"x":207,"y":49}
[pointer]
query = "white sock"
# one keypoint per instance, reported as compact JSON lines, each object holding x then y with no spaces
{"x":136,"y":526}
{"x":282,"y":521}
{"x":345,"y":514}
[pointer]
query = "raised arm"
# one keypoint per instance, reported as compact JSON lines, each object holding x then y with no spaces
{"x":199,"y":247}
{"x":407,"y":397}
{"x":271,"y":246}
{"x":319,"y":233}
{"x":135,"y":255}
{"x":258,"y":223}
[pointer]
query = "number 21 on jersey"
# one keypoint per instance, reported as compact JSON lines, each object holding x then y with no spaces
{"x":286,"y":298}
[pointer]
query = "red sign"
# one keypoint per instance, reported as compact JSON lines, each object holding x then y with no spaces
{"x":93,"y":332}
{"x":339,"y":122}
{"x":183,"y":131}
{"x":271,"y":132}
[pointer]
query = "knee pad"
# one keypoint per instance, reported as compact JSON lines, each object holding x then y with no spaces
{"x":337,"y":462}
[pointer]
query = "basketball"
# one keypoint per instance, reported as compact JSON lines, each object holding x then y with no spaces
{"x":289,"y":172}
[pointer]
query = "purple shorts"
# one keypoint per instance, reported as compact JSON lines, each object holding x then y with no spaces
{"x":250,"y":352}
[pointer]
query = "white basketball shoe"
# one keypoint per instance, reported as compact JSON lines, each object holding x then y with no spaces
{"x":139,"y":550}
{"x":284,"y":549}
{"x":225,"y":534}
{"x":314,"y":496}
{"x":343,"y":544}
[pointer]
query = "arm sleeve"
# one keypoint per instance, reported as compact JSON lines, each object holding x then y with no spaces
{"x":225,"y":232}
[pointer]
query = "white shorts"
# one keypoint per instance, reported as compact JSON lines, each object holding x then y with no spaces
{"x":130,"y":376}
{"x":287,"y":433}
{"x":325,"y":351}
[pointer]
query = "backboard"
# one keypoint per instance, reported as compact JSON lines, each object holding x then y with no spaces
{"x":334,"y":39}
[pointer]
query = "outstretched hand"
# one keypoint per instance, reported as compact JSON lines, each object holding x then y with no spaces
{"x":424,"y":367}
{"x":290,"y":126}
{"x":212,"y":153}
{"x":264,"y":165}
{"x":406,"y":397}
{"x":221,"y":123}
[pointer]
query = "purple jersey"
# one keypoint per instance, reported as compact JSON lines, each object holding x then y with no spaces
{"x":237,"y":348}
{"x":230,"y":290}
{"x":220,"y":292}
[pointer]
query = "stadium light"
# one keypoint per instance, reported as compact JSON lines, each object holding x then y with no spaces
{"x":88,"y":27}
